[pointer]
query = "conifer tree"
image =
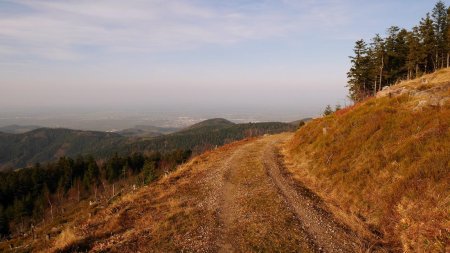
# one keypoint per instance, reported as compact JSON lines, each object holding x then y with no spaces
{"x":148,"y":172}
{"x":328,"y":110}
{"x":401,"y":54}
{"x":447,"y":38}
{"x":428,"y":41}
{"x":359,"y":74}
{"x":379,"y":54}
{"x":439,"y":18}
{"x":415,"y":53}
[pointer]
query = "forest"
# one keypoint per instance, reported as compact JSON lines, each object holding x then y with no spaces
{"x":29,"y":196}
{"x":400,"y":55}
{"x":95,"y":165}
{"x":47,"y":144}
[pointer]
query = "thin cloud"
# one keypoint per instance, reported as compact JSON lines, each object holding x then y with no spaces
{"x":66,"y":30}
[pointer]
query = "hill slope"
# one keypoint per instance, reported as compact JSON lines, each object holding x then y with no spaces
{"x":236,"y":198}
{"x":17,"y":129}
{"x":146,"y":131}
{"x":211,"y":123}
{"x":202,"y":137}
{"x":46,"y":144}
{"x":386,"y":161}
{"x":374,"y":177}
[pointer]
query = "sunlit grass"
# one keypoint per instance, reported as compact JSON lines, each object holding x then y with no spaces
{"x":382,"y":161}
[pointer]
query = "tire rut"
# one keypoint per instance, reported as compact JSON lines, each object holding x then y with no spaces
{"x":252,"y":215}
{"x":327,"y":234}
{"x":260,"y":208}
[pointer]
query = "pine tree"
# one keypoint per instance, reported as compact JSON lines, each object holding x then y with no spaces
{"x":379,"y":54}
{"x":148,"y":172}
{"x":337,"y":107}
{"x":428,"y":43}
{"x":114,"y":168}
{"x":397,"y":52}
{"x":401,"y":54}
{"x":415,"y":53}
{"x":447,"y":38}
{"x":92,"y":174}
{"x":439,"y":17}
{"x":48,"y":198}
{"x":328,"y":110}
{"x":359,"y":74}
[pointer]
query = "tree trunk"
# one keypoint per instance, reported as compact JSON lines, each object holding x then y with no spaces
{"x":448,"y":59}
{"x":417,"y":70}
{"x":381,"y":71}
{"x":51,"y":207}
{"x":78,"y":189}
{"x":375,"y":87}
{"x":436,"y":64}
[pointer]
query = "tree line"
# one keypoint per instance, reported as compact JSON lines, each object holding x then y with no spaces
{"x":30,"y":195}
{"x":400,"y":55}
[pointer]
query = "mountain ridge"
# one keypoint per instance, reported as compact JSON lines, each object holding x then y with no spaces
{"x":370,"y":177}
{"x":47,"y":144}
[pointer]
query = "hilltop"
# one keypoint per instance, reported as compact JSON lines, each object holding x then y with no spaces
{"x":48,"y":144}
{"x":45,"y":144}
{"x":146,"y":131}
{"x":18,"y":129}
{"x":216,"y":123}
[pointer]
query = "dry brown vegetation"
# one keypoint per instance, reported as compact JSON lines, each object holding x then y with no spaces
{"x":165,"y":216}
{"x":381,"y":168}
{"x":237,"y":198}
{"x":385,"y":162}
{"x":217,"y":202}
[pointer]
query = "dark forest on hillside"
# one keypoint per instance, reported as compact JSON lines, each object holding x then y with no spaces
{"x":30,"y":195}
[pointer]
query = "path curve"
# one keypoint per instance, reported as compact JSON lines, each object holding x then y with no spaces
{"x":256,"y":191}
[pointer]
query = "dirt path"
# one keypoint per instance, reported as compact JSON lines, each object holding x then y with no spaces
{"x":237,"y":198}
{"x":328,"y":235}
{"x":261,"y":209}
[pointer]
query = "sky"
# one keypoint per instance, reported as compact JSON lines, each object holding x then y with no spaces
{"x":275,"y":56}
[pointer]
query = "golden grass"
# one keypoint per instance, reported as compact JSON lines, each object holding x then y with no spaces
{"x":163,"y":215}
{"x":384,"y":163}
{"x":65,"y":238}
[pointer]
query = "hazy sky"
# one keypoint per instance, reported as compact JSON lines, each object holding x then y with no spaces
{"x":245,"y":54}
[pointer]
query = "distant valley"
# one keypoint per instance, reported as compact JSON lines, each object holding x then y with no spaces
{"x":18,"y":129}
{"x":21,"y":148}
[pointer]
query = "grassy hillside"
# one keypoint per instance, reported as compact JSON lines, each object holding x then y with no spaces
{"x":386,"y":162}
{"x":300,"y":121}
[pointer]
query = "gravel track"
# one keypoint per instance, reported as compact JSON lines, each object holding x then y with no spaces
{"x":253,"y":173}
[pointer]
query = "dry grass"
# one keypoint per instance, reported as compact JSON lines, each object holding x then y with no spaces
{"x":187,"y":211}
{"x":65,"y":238}
{"x":385,"y":163}
{"x":164,"y":216}
{"x":259,"y":219}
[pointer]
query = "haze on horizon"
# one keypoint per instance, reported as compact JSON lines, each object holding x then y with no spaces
{"x":280,"y":57}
